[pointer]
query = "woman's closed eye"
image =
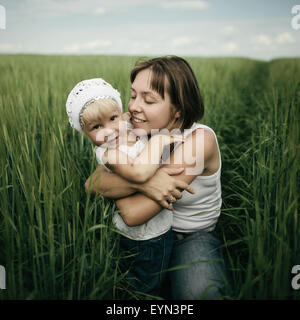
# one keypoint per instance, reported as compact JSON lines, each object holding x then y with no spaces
{"x":149,"y":101}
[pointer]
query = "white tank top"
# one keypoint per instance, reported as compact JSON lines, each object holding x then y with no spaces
{"x":199,"y":211}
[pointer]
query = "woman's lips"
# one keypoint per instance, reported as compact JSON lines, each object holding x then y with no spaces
{"x":137,"y":120}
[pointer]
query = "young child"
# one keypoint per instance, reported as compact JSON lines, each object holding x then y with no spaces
{"x":94,"y":108}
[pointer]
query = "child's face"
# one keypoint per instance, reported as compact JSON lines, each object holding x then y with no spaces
{"x":105,"y":130}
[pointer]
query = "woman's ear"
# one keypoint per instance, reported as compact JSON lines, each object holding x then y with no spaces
{"x":176,"y":121}
{"x":177,"y":114}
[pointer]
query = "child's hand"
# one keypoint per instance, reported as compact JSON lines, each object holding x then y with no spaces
{"x":126,"y":116}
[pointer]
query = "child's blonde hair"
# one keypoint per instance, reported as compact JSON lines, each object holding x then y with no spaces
{"x":86,"y":92}
{"x":98,"y":110}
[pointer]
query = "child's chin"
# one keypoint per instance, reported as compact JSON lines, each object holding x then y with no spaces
{"x":111,"y":144}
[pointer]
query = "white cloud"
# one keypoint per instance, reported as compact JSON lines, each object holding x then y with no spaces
{"x":54,"y":8}
{"x":262,"y":39}
{"x":72,"y":48}
{"x":59,"y":8}
{"x":181,"y":41}
{"x":6,"y":47}
{"x":268,"y":41}
{"x":140,"y":32}
{"x":11,"y":47}
{"x":230,"y":47}
{"x":91,"y":46}
{"x":100,"y":11}
{"x":228,"y":30}
{"x":285,"y":37}
{"x":97,"y":44}
{"x":140,"y":47}
{"x":185,"y":5}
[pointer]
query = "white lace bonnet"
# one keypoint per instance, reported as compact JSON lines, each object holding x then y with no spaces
{"x":85,"y":93}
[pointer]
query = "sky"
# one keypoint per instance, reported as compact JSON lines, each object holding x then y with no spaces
{"x":230,"y":28}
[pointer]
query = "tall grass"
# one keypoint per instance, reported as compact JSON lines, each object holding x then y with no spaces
{"x":58,"y":243}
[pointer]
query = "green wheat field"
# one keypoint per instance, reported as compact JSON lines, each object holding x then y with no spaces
{"x":56,"y":242}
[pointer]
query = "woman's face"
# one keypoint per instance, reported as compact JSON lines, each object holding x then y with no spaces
{"x":147,"y":108}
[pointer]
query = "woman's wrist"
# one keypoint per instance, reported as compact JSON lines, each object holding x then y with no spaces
{"x":138,"y":187}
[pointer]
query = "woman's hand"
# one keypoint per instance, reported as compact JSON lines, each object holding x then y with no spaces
{"x":163,"y":188}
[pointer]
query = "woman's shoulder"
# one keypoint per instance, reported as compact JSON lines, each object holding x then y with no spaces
{"x":212,"y":156}
{"x":198,"y":129}
{"x":200,"y":134}
{"x":198,"y":126}
{"x":205,"y":135}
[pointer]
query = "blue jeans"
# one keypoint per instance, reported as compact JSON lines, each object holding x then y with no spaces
{"x":151,"y":258}
{"x":206,"y":277}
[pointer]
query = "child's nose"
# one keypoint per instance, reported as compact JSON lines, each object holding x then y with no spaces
{"x":103,"y":134}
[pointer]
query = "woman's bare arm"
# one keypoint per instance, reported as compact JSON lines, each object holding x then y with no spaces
{"x":112,"y":186}
{"x":137,"y":209}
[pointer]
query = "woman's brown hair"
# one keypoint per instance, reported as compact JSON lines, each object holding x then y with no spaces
{"x":175,"y":75}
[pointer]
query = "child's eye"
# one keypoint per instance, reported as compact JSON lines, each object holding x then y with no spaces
{"x":132,"y":97}
{"x":113,"y":118}
{"x":97,"y":126}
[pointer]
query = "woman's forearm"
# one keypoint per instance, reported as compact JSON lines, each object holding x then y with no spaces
{"x":109,"y":184}
{"x":135,"y":208}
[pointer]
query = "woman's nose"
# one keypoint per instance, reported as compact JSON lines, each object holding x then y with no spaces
{"x":135,"y":106}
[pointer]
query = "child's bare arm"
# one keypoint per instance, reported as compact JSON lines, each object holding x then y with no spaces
{"x":143,"y":167}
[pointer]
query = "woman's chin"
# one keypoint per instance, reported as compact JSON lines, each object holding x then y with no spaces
{"x":140,"y":128}
{"x":140,"y":131}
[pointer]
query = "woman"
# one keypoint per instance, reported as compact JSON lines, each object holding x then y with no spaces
{"x":165,"y":94}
